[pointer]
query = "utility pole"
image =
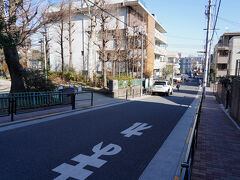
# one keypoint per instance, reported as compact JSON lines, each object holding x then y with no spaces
{"x":207,"y":49}
{"x":141,"y":89}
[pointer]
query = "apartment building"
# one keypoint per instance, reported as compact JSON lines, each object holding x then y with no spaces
{"x":191,"y":65}
{"x":172,"y":59}
{"x":132,"y":16}
{"x":226,"y":53}
{"x":234,"y":56}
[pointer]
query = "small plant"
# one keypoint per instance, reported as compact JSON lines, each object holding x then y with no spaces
{"x":129,"y":83}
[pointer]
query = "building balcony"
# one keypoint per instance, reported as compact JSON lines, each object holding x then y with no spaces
{"x":159,"y":64}
{"x":223,"y":46}
{"x":160,"y":37}
{"x":221,"y":72}
{"x":160,"y":50}
{"x":222,"y":60}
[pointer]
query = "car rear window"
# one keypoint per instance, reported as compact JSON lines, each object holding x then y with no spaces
{"x":159,"y":83}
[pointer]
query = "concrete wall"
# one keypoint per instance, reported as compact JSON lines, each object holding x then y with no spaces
{"x":230,"y":98}
{"x":235,"y":104}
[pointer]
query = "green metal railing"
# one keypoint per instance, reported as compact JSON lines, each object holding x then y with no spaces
{"x":27,"y":100}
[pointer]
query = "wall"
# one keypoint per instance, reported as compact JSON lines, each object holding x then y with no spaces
{"x":235,"y":104}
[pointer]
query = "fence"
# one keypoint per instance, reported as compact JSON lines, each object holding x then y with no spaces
{"x":186,"y":166}
{"x":11,"y":103}
{"x":229,"y":96}
{"x":235,"y":103}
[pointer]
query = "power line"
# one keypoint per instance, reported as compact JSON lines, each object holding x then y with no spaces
{"x":216,"y":18}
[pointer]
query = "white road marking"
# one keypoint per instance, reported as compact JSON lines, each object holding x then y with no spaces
{"x":78,"y":171}
{"x":135,"y":128}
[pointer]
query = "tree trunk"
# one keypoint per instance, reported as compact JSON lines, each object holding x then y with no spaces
{"x":119,"y":69}
{"x":127,"y":66}
{"x":70,"y":51}
{"x":90,"y":56}
{"x":62,"y":50}
{"x":70,"y":33}
{"x":104,"y":74}
{"x":113,"y":69}
{"x":15,"y":69}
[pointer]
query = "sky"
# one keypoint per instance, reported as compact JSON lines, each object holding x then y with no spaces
{"x":185,"y":21}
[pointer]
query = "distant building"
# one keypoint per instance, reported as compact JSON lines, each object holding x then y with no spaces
{"x":173,"y":60}
{"x":226,"y":54}
{"x":191,"y":65}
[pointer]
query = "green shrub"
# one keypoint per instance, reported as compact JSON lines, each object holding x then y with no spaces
{"x":70,"y":75}
{"x":52,"y":75}
{"x":36,"y":81}
{"x":129,"y":83}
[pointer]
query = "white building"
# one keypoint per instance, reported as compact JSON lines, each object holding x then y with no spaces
{"x":234,"y":55}
{"x":173,"y":60}
{"x":132,"y":14}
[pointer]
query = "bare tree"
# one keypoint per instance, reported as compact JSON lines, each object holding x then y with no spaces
{"x":71,"y":31}
{"x":92,"y":13}
{"x":119,"y":37}
{"x":19,"y":19}
{"x":60,"y":33}
{"x":103,"y":37}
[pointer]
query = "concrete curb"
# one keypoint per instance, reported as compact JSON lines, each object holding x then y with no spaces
{"x":166,"y":163}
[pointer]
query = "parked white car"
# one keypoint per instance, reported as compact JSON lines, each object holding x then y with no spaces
{"x":162,"y":87}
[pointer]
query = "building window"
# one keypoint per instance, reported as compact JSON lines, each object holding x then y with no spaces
{"x":170,"y":60}
{"x":223,"y":53}
{"x":222,"y":66}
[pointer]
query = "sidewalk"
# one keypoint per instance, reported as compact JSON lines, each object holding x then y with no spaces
{"x":83,"y":101}
{"x":217,"y":155}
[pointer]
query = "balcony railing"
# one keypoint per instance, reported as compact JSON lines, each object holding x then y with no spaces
{"x":160,"y":36}
{"x":222,"y":60}
{"x":160,"y":50}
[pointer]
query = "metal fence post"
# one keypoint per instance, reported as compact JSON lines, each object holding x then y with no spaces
{"x":15,"y":106}
{"x":92,"y":98}
{"x":12,"y":109}
{"x":126,"y":94}
{"x":73,"y":101}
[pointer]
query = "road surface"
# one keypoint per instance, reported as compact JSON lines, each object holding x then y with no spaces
{"x":113,"y":143}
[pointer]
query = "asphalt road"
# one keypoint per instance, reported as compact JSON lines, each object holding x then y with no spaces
{"x":97,"y":145}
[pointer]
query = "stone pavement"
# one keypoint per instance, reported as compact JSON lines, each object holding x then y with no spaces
{"x":217,"y":155}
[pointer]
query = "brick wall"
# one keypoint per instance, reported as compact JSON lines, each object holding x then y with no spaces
{"x":149,"y":62}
